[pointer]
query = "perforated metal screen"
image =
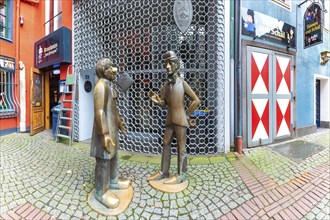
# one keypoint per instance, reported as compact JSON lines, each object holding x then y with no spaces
{"x":135,"y":35}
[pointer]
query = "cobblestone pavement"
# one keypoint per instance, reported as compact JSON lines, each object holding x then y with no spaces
{"x":262,"y":184}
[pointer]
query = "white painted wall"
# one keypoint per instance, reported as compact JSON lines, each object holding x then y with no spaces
{"x":325,"y":91}
{"x":86,"y":105}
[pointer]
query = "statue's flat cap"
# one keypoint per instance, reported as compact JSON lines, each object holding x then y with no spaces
{"x":170,"y":55}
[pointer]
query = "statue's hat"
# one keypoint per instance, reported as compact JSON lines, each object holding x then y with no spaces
{"x":170,"y":55}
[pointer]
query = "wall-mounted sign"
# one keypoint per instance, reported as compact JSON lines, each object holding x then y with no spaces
{"x":313,"y":30}
{"x":7,"y":63}
{"x":53,"y":49}
{"x":183,"y":13}
{"x":256,"y":24}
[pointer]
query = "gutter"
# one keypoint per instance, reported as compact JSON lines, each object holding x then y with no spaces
{"x":237,"y":77}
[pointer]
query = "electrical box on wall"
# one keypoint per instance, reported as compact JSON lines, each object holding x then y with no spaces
{"x":86,"y":103}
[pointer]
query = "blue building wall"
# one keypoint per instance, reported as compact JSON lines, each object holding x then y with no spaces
{"x":308,"y":64}
{"x":307,"y":60}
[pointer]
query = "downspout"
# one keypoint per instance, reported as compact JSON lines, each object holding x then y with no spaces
{"x":238,"y":76}
{"x":17,"y":57}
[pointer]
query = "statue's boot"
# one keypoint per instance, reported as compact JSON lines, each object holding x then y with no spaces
{"x":120,"y":184}
{"x":109,"y":200}
{"x":156,"y":176}
{"x":176,"y":179}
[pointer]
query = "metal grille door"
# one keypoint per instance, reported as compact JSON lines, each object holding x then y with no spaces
{"x":135,"y":35}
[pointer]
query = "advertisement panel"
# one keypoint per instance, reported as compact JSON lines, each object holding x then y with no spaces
{"x":261,"y":26}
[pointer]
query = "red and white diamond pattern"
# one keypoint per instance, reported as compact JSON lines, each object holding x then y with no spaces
{"x":259,"y":106}
{"x":283,"y":107}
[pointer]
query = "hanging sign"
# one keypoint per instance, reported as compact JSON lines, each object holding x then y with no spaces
{"x":261,"y":26}
{"x":183,"y":13}
{"x":313,"y":30}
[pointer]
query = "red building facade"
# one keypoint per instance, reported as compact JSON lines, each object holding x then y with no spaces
{"x":22,"y":24}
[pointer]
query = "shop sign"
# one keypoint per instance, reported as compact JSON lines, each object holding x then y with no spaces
{"x":53,"y":49}
{"x":313,"y":30}
{"x":261,"y":26}
{"x":7,"y":63}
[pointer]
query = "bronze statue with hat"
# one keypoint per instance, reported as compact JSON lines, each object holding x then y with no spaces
{"x":178,"y":120}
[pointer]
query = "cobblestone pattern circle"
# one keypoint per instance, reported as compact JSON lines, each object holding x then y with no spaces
{"x":136,"y":34}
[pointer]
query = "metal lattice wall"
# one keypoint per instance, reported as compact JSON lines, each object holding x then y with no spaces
{"x":135,"y":35}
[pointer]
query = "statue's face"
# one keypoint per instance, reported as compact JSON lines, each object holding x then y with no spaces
{"x":171,"y":67}
{"x":110,"y":73}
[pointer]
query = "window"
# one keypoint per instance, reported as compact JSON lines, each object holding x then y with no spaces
{"x":8,"y":100}
{"x":284,"y":3}
{"x":8,"y":104}
{"x":6,"y":19}
{"x":53,"y":15}
{"x":3,"y":19}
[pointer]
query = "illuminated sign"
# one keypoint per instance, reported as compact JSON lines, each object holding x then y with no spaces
{"x":53,"y":49}
{"x":313,"y":30}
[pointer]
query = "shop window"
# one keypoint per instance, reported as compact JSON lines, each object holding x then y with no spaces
{"x":284,"y":3}
{"x":8,"y":102}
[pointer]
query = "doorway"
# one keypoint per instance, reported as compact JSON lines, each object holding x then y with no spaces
{"x":321,"y":101}
{"x":269,"y":96}
{"x":54,"y":78}
{"x":38,"y":104}
{"x":318,"y":103}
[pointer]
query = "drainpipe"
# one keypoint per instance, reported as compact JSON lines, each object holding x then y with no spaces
{"x":17,"y":52}
{"x":22,"y":96}
{"x":238,"y":76}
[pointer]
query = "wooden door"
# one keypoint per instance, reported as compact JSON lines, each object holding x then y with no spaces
{"x":37,"y":101}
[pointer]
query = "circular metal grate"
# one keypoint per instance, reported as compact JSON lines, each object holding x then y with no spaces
{"x":135,"y":35}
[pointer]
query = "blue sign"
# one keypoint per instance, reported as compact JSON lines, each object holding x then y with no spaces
{"x":200,"y":113}
{"x":7,"y":63}
{"x":53,"y":49}
{"x":313,"y":30}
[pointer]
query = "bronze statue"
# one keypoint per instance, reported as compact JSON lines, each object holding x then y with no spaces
{"x":177,"y":120}
{"x":105,"y":141}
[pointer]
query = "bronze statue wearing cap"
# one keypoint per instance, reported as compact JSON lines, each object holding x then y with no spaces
{"x":177,"y":120}
{"x":105,"y":141}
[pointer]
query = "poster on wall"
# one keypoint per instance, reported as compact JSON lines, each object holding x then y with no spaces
{"x":261,"y":26}
{"x":313,"y":30}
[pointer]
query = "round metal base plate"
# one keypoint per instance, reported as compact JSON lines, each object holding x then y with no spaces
{"x":169,"y":188}
{"x":125,"y":197}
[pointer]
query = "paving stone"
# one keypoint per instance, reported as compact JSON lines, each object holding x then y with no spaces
{"x":64,"y":216}
{"x":55,"y":213}
{"x":214,"y":186}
